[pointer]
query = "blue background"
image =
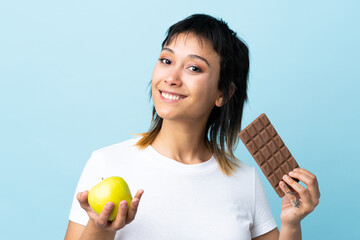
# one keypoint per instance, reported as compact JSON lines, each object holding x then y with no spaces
{"x":74,"y":77}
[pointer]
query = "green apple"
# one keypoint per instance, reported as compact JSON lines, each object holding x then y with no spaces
{"x":111,"y":189}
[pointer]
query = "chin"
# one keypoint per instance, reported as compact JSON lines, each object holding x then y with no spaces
{"x":164,"y":114}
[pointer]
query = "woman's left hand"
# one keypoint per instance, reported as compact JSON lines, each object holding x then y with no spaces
{"x":298,"y":201}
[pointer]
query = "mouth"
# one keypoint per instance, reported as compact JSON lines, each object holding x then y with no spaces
{"x":172,"y":97}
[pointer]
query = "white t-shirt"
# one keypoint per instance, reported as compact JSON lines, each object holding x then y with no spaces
{"x":180,"y":201}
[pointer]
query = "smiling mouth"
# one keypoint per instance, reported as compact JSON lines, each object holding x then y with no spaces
{"x":171,"y":96}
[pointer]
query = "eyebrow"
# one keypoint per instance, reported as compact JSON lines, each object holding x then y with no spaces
{"x":190,"y":55}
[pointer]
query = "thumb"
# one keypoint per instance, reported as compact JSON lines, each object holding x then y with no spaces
{"x":82,"y":197}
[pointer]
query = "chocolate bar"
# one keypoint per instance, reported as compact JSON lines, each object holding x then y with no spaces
{"x":268,"y":150}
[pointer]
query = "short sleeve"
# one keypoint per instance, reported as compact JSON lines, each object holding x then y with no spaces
{"x":263,"y":218}
{"x":91,"y":175}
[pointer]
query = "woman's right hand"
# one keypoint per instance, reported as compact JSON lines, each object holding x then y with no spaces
{"x":123,"y":216}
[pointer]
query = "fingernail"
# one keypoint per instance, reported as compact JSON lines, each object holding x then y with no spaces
{"x":291,"y":173}
{"x":285,"y":177}
{"x":123,"y":205}
{"x":108,"y":205}
{"x":136,"y":203}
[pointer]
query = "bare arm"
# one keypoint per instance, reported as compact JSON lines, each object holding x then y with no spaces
{"x":273,"y":234}
{"x":90,"y":231}
{"x":74,"y":231}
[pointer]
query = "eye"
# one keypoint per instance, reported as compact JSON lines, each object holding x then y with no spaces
{"x":165,"y":61}
{"x":195,"y":69}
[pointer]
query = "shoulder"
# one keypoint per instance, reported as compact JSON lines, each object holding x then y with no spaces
{"x":124,"y":146}
{"x":245,"y":177}
{"x":245,"y":170}
{"x":117,"y":152}
{"x":116,"y":156}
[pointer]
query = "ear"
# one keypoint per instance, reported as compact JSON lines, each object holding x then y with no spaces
{"x":220,"y":100}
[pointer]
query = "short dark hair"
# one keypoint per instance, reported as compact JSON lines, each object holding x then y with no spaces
{"x":224,"y":123}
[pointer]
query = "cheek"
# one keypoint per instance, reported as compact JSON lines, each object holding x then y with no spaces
{"x":159,"y":73}
{"x":155,"y":73}
{"x":155,"y":80}
{"x":155,"y":95}
{"x":153,"y":90}
{"x":202,"y":87}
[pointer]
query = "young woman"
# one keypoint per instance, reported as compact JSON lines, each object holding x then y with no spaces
{"x":195,"y":188}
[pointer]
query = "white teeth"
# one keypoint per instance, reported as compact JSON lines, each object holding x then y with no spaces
{"x":170,"y":96}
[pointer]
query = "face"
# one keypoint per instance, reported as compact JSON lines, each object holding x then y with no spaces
{"x":185,"y":80}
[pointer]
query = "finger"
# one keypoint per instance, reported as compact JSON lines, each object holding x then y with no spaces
{"x":82,"y":197}
{"x":302,"y":170}
{"x":305,"y":172}
{"x":310,"y":181}
{"x":102,"y":220}
{"x":139,"y":193}
{"x":120,"y":219}
{"x":303,"y":193}
{"x":290,"y":195}
{"x":134,"y":206}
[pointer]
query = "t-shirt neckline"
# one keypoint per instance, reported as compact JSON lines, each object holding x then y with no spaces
{"x":181,"y":167}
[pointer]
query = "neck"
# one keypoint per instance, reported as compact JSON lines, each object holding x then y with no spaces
{"x":182,"y":142}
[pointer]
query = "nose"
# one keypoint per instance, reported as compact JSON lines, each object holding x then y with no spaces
{"x":174,"y":78}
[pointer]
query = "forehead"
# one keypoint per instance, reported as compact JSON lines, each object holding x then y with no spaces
{"x":192,"y":42}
